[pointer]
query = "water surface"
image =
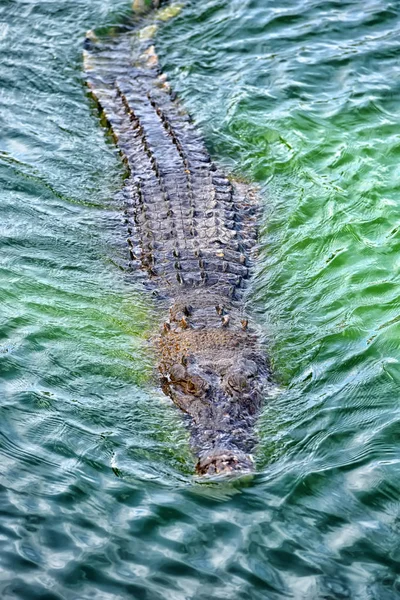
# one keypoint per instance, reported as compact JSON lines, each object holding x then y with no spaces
{"x":97,"y":498}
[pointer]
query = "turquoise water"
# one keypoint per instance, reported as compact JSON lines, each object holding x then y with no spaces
{"x":97,"y":497}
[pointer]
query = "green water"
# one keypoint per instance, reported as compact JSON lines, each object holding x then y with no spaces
{"x":97,"y":498}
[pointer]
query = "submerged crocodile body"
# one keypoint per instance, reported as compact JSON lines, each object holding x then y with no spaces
{"x":194,"y":232}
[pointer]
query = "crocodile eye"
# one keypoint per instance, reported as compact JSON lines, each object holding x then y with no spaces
{"x":238,"y":382}
{"x":239,"y":378}
{"x":196,"y":385}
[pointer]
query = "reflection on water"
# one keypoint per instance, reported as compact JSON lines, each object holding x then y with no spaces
{"x":97,"y":498}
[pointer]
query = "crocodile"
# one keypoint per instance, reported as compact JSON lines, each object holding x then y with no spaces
{"x":193,"y":231}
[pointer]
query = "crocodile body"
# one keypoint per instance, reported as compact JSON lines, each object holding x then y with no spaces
{"x":193,"y":231}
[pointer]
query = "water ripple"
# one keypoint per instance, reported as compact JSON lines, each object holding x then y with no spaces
{"x":97,"y":499}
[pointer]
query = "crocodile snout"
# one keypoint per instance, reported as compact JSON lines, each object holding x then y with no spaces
{"x":224,"y":462}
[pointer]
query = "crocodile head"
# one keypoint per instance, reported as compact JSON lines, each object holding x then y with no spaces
{"x":223,"y":396}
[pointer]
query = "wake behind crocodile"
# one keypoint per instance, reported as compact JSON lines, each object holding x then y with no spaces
{"x":194,"y":232}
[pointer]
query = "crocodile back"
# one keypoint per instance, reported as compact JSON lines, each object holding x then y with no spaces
{"x":189,"y":225}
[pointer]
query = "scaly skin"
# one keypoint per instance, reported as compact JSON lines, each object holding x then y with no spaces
{"x":193,"y":231}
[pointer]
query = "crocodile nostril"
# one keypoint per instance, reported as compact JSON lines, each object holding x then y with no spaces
{"x":196,"y":385}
